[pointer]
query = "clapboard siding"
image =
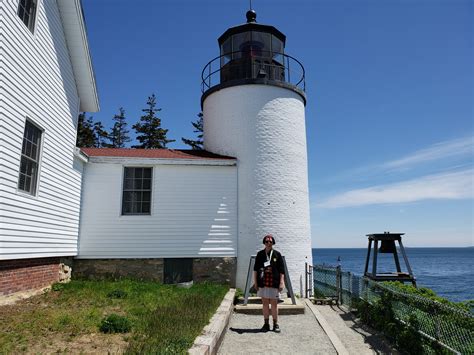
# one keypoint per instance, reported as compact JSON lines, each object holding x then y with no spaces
{"x":194,"y":214}
{"x":37,"y":82}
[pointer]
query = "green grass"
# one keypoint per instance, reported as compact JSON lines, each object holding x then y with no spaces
{"x":163,"y":318}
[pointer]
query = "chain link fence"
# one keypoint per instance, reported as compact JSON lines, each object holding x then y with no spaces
{"x":448,"y":326}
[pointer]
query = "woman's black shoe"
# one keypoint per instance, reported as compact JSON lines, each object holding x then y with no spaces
{"x":265,"y":328}
{"x":276,"y":328}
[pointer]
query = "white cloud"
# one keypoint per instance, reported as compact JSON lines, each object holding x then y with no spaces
{"x":442,"y":150}
{"x":451,"y":149}
{"x":453,"y":185}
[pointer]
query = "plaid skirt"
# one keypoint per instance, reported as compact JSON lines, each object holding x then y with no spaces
{"x":268,"y":292}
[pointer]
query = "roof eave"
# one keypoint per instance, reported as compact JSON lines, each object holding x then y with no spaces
{"x":78,"y":46}
{"x":138,"y":161}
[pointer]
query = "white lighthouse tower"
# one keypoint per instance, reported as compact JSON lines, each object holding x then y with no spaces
{"x":254,"y":109}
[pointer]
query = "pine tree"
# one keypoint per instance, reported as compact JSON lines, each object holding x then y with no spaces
{"x":119,"y":135}
{"x":198,"y":128}
{"x":149,"y":131}
{"x":85,"y":134}
{"x":100,"y":135}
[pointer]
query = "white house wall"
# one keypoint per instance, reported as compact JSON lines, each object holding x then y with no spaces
{"x":37,"y":82}
{"x":193,"y":213}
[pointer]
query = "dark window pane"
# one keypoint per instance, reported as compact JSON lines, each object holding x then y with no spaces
{"x":129,"y":173}
{"x":23,"y":165}
{"x":147,"y":173}
{"x":146,"y":196}
{"x":126,"y":208}
{"x":135,"y":207}
{"x":137,"y":185}
{"x":29,"y":167}
{"x":21,"y":182}
{"x":128,"y":184}
{"x":138,"y":173}
{"x":146,"y":207}
{"x":28,"y":184}
{"x":34,"y":151}
{"x":147,"y":184}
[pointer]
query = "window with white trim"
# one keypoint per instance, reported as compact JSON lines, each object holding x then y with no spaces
{"x":27,"y":12}
{"x":30,"y":154}
{"x":136,"y":198}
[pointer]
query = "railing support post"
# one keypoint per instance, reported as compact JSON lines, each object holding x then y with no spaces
{"x":305,"y":280}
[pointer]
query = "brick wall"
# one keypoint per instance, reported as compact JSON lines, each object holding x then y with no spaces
{"x":27,"y":274}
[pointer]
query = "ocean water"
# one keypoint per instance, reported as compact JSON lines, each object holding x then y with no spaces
{"x":447,"y":271}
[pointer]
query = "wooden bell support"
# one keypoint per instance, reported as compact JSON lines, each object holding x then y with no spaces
{"x":388,"y":246}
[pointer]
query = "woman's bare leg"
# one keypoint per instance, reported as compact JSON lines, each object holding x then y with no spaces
{"x":274,"y":304}
{"x":266,"y":308}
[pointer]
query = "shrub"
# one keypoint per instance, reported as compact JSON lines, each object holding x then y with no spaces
{"x":114,"y":323}
{"x":117,"y":294}
{"x":57,"y":286}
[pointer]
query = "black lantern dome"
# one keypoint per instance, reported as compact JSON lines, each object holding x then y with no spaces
{"x":253,"y":53}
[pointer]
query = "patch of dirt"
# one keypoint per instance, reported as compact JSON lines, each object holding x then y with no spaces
{"x":96,"y":343}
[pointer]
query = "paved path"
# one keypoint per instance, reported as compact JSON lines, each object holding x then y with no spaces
{"x":354,"y":336}
{"x":300,"y":334}
{"x":303,"y":334}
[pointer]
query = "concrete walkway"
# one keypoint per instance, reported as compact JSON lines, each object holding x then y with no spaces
{"x":300,"y":334}
{"x":320,"y":330}
{"x":354,"y":336}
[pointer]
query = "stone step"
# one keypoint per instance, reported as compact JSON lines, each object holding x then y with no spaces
{"x":254,"y":306}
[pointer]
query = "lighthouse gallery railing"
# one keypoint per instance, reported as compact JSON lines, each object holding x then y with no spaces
{"x":271,"y":66}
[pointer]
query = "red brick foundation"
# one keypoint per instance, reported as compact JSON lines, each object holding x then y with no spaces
{"x":27,"y":274}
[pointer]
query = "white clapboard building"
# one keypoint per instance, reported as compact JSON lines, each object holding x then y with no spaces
{"x":46,"y":79}
{"x":163,"y":214}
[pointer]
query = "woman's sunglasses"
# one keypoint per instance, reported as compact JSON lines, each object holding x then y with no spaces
{"x":268,"y":241}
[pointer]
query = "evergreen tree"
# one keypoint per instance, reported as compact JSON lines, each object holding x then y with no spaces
{"x":198,"y":128}
{"x":119,"y":135}
{"x":149,"y":131}
{"x":85,"y":134}
{"x":100,"y":135}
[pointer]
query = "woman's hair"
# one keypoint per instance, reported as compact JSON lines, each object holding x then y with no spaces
{"x":268,"y":236}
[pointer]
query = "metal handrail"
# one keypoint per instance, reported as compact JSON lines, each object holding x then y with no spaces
{"x":208,"y":74}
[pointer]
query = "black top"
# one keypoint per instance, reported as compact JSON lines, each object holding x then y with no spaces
{"x":276,"y":263}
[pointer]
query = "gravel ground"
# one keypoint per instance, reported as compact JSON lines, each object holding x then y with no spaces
{"x":300,"y":334}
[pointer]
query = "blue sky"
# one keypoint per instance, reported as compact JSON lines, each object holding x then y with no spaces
{"x":390,"y":109}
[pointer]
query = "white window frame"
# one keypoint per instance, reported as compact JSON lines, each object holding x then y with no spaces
{"x":122,"y":204}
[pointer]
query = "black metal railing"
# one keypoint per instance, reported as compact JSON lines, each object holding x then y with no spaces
{"x":240,"y":65}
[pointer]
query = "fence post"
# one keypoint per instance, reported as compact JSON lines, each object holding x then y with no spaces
{"x":338,"y":284}
{"x":306,"y":280}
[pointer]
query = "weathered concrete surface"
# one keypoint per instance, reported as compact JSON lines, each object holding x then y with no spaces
{"x":300,"y":334}
{"x":356,"y":338}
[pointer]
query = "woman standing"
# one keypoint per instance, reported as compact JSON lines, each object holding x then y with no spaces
{"x":268,"y":277}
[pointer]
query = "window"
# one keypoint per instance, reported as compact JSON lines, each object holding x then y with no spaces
{"x":136,"y":191}
{"x":29,"y":165}
{"x":27,"y":12}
